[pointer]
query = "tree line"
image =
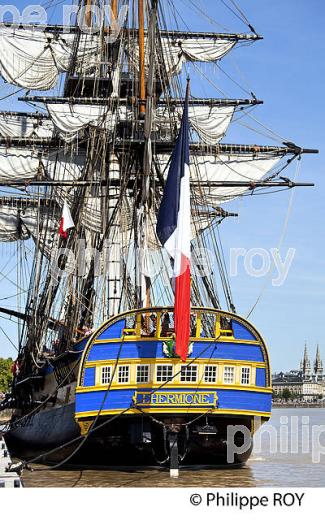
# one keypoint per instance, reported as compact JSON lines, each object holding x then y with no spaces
{"x":5,"y":374}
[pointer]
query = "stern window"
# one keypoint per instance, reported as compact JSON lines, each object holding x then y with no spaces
{"x":229,"y":375}
{"x":164,"y":373}
{"x":123,"y":374}
{"x":142,"y":373}
{"x":210,"y":374}
{"x":245,"y":375}
{"x":105,"y":375}
{"x":189,"y":374}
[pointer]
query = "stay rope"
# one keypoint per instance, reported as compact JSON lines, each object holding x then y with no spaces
{"x":280,"y":243}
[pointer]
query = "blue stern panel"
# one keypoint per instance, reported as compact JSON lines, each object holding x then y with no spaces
{"x":129,"y":364}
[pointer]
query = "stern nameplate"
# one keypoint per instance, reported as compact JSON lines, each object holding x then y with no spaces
{"x":198,"y":399}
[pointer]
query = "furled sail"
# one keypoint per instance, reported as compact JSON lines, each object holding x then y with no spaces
{"x":209,"y":122}
{"x":34,"y":59}
{"x":69,"y":119}
{"x":91,"y":216}
{"x":17,"y":125}
{"x":59,"y":165}
{"x":206,"y":169}
{"x":19,"y":164}
{"x":29,"y":222}
{"x":207,"y":198}
{"x":27,"y":164}
{"x":11,"y":228}
{"x":39,"y":223}
{"x":22,"y":163}
{"x":42,"y":227}
{"x":177,"y":51}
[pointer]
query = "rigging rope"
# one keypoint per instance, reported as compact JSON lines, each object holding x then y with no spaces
{"x":11,"y":94}
{"x":280,"y":243}
{"x":240,"y":16}
{"x":203,"y":12}
{"x":10,"y":341}
{"x":93,"y":426}
{"x":25,"y":464}
{"x":13,"y":425}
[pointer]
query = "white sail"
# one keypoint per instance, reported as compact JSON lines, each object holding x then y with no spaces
{"x":24,"y":223}
{"x":248,"y":167}
{"x":42,"y":226}
{"x":91,"y":216}
{"x":11,"y":228}
{"x":19,"y":164}
{"x":177,"y":51}
{"x":233,"y":167}
{"x":205,"y":198}
{"x":211,"y":123}
{"x":61,"y":166}
{"x":17,"y":125}
{"x":28,"y":164}
{"x":69,"y":119}
{"x":34,"y":59}
{"x":204,"y":170}
{"x":25,"y":164}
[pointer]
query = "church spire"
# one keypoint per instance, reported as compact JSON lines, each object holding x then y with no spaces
{"x":305,"y":352}
{"x":306,"y":365}
{"x":318,"y":365}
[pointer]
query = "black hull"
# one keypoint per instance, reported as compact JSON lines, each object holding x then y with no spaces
{"x":124,"y":442}
{"x":43,"y":432}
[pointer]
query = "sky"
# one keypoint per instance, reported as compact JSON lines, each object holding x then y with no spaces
{"x":287,"y":71}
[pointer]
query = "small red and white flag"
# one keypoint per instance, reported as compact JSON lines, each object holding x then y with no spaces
{"x":66,"y":221}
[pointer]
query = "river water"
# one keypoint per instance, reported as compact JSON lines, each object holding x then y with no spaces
{"x":288,"y":452}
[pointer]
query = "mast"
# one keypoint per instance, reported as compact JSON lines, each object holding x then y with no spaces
{"x":113,"y":250}
{"x":115,"y":193}
{"x":147,"y":156}
{"x":114,"y":239}
{"x":88,"y":13}
{"x":142,"y":85}
{"x":114,"y":8}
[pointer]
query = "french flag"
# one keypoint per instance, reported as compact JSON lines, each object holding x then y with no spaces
{"x":66,"y":221}
{"x":174,"y":231}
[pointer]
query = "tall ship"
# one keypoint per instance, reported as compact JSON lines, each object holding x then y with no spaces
{"x":109,"y":182}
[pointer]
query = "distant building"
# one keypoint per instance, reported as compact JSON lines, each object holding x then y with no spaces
{"x":318,"y":367}
{"x":307,"y":383}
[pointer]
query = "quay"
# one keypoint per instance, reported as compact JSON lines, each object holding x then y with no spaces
{"x":299,"y":404}
{"x":8,"y":479}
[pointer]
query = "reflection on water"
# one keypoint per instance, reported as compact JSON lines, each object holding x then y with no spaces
{"x":140,"y":478}
{"x":283,"y":461}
